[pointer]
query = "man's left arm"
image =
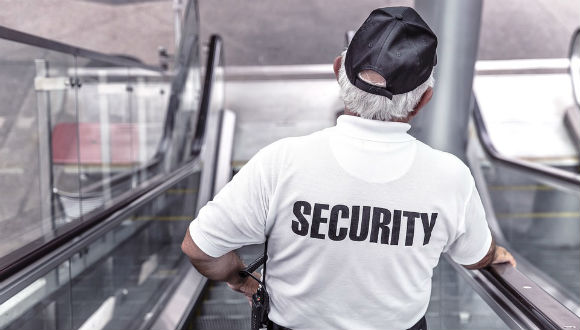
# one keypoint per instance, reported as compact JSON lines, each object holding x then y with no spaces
{"x":224,"y":268}
{"x":234,"y":218}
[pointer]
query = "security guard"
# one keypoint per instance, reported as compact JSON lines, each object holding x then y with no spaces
{"x":356,"y":215}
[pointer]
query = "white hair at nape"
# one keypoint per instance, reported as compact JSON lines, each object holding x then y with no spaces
{"x":378,"y":107}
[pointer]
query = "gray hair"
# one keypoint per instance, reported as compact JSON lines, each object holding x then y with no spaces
{"x":371,"y":106}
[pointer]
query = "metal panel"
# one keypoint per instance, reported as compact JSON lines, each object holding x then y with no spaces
{"x":443,"y":122}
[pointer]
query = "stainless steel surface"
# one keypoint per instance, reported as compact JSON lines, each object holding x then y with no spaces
{"x":572,"y":117}
{"x":572,"y":121}
{"x":574,"y":56}
{"x":552,"y":175}
{"x":225,"y":151}
{"x":180,"y":304}
{"x":442,"y":123}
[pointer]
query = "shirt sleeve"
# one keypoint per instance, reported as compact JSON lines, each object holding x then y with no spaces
{"x":473,"y":237}
{"x":237,"y":214}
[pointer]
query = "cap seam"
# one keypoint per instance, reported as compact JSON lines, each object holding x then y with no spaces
{"x":416,"y":55}
{"x":392,"y":28}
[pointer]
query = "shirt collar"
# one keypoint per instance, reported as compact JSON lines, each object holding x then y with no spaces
{"x":373,"y":130}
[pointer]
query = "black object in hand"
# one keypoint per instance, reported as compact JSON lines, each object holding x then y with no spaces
{"x":260,"y":308}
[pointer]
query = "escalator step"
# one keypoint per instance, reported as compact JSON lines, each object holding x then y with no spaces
{"x":217,"y":322}
{"x":224,"y":308}
{"x":220,"y":292}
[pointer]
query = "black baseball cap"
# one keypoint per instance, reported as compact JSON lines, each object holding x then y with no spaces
{"x":396,"y":43}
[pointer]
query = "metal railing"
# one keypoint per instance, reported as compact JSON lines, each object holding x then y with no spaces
{"x":16,"y":276}
{"x":558,"y":177}
{"x":32,"y":40}
{"x":524,"y":301}
{"x":572,"y":116}
{"x":28,"y":254}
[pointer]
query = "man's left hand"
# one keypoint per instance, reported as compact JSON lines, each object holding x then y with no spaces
{"x":248,"y":286}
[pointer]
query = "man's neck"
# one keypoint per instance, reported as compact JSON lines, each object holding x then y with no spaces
{"x":398,"y":120}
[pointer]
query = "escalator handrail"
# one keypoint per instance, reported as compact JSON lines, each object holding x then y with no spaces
{"x":215,"y":58}
{"x":97,"y":217}
{"x":560,"y":177}
{"x":538,"y":305}
{"x":40,"y":42}
{"x":573,"y":68}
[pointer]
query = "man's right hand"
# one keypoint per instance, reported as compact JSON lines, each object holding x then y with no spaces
{"x":495,"y":255}
{"x":502,"y":255}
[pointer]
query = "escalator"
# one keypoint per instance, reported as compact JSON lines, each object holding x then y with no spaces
{"x":115,"y":201}
{"x":112,"y":260}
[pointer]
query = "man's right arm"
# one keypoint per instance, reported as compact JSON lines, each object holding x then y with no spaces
{"x":473,"y":245}
{"x":495,"y":255}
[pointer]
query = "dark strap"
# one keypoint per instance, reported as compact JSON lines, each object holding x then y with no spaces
{"x":420,"y":325}
{"x":255,"y":265}
{"x":265,"y":261}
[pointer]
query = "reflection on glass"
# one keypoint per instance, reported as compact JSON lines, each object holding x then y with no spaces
{"x":131,"y":266}
{"x":106,"y":136}
{"x":455,"y":305}
{"x":36,"y":96}
{"x":44,"y":304}
{"x":114,"y":282}
{"x":540,"y":222}
{"x":78,"y":134}
{"x":148,"y":97}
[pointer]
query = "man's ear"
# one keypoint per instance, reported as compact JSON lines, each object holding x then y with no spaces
{"x":424,"y":99}
{"x":336,"y":65}
{"x":422,"y":102}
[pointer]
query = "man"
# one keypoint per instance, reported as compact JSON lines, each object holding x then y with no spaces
{"x":356,"y":215}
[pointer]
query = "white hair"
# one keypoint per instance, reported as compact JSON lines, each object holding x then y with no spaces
{"x":378,"y":107}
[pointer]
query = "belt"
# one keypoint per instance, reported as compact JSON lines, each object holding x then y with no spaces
{"x":420,"y":325}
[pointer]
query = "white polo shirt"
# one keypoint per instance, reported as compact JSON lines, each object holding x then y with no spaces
{"x":357,"y":216}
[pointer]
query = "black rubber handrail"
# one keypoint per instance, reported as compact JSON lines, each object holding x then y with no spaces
{"x":539,"y":306}
{"x":574,"y":67}
{"x":518,"y":301}
{"x":36,"y":41}
{"x":215,"y":57}
{"x":96,"y":217}
{"x":562,"y":177}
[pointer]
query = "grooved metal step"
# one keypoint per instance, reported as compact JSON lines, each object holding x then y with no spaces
{"x":215,"y":322}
